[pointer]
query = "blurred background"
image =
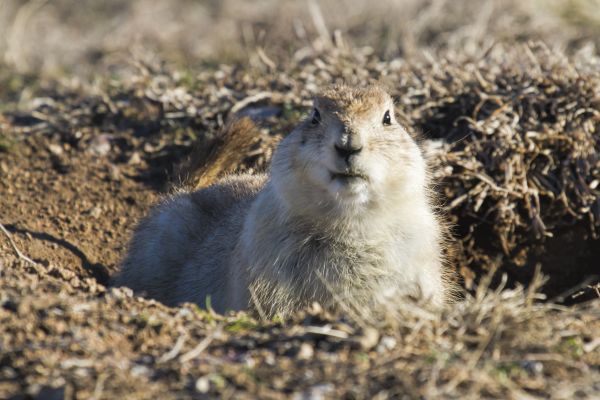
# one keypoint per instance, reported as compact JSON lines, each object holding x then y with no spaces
{"x":54,"y":36}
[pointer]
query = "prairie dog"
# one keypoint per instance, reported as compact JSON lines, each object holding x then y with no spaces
{"x":344,"y":215}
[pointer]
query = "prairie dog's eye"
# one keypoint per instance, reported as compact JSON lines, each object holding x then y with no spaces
{"x":387,"y":119}
{"x":316,"y":117}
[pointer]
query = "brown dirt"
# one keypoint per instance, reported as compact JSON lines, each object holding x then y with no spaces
{"x":76,"y":211}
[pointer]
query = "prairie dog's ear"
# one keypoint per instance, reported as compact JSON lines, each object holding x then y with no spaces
{"x":315,"y":116}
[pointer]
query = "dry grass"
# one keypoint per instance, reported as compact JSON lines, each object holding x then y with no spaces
{"x":518,"y":159}
{"x":54,"y":35}
{"x":88,"y":341}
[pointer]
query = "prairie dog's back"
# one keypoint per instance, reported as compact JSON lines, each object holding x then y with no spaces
{"x":175,"y":230}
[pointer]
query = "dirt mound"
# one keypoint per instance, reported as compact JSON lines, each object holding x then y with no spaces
{"x":520,"y":160}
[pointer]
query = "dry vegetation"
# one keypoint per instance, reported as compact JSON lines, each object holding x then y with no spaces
{"x":99,"y":107}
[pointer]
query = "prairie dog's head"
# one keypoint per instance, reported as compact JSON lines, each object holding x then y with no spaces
{"x":349,"y":156}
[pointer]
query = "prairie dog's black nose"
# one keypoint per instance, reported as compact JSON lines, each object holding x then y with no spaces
{"x":346,"y":151}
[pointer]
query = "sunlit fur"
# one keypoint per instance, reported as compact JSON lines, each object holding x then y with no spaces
{"x":304,"y":233}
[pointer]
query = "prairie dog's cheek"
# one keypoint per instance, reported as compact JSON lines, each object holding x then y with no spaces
{"x":310,"y":164}
{"x":378,"y":169}
{"x":314,"y":152}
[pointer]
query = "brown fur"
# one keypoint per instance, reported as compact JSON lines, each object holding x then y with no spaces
{"x":209,"y":162}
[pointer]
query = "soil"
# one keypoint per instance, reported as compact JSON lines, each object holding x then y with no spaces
{"x":78,"y":210}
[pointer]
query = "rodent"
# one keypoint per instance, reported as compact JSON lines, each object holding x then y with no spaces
{"x":344,"y":215}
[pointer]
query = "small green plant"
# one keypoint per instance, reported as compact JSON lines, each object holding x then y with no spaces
{"x":6,"y":143}
{"x":571,"y":346}
{"x":507,"y":370}
{"x":361,"y":356}
{"x":242,"y":323}
{"x":141,"y":319}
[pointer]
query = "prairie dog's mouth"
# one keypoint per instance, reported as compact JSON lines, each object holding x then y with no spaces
{"x":347,"y":176}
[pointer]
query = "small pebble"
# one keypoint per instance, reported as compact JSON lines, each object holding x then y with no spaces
{"x":369,"y":339}
{"x":114,"y":172}
{"x":134,"y":159}
{"x":55,"y":149}
{"x":100,"y":145}
{"x":95,"y":212}
{"x":202,"y":385}
{"x":386,"y":343}
{"x":306,"y":351}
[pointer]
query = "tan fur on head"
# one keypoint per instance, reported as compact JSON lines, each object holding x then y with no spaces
{"x":344,"y":216}
{"x":351,"y":101}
